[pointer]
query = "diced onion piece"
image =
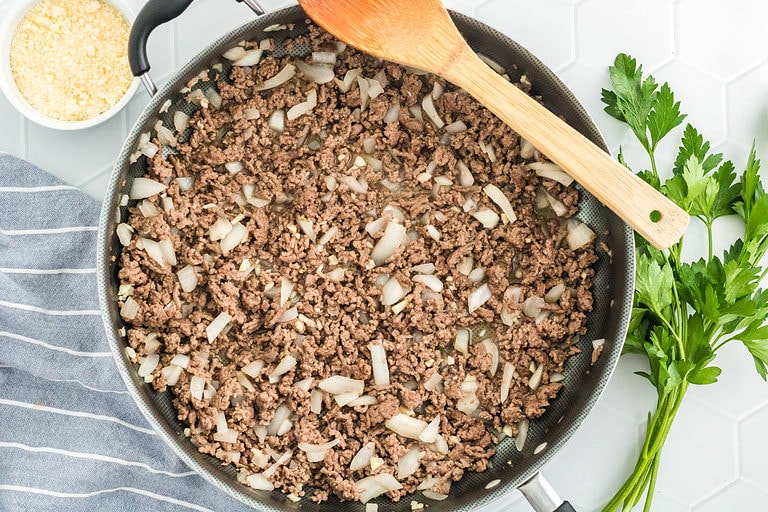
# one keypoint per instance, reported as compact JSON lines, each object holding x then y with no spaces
{"x":579,"y":234}
{"x":532,"y":306}
{"x":456,"y":127}
{"x":527,"y":150}
{"x":491,"y":348}
{"x":217,"y":325}
{"x":522,"y":434}
{"x":379,"y":363}
{"x":406,"y":426}
{"x":345,"y":398}
{"x":477,"y":275}
{"x":551,"y":171}
{"x":219,"y":229}
{"x":187,"y":278}
{"x":432,"y":282}
{"x":354,"y":185}
{"x":433,"y":382}
{"x":328,"y":58}
{"x":171,"y":374}
{"x":468,"y":403}
{"x":286,"y":364}
{"x":151,"y":343}
{"x":319,"y":74}
{"x":556,"y":377}
{"x":429,"y":435}
{"x":251,"y":113}
{"x":441,"y":445}
{"x":124,"y":233}
{"x":282,"y":414}
{"x":253,"y":369}
{"x":234,"y":238}
{"x":230,"y":436}
{"x":373,"y":486}
{"x":392,"y":292}
{"x":148,"y":209}
{"x":148,"y":365}
{"x":488,"y":218}
{"x":285,"y":74}
{"x":259,"y":482}
{"x":408,"y":463}
{"x":286,"y":288}
{"x":276,"y":120}
{"x":478,"y":297}
{"x":221,"y":422}
{"x":465,"y":266}
{"x":317,"y":452}
{"x":196,"y":387}
{"x":554,"y":293}
{"x":363,"y":456}
{"x":363,"y":400}
{"x":465,"y":175}
{"x":369,"y":144}
{"x":233,"y":167}
{"x":337,"y":384}
{"x":304,"y":384}
{"x":364,"y":85}
{"x":249,"y":58}
{"x":169,"y":253}
{"x":149,"y":149}
{"x":302,"y":108}
{"x":461,"y":343}
{"x":424,"y":268}
{"x":185,"y":182}
{"x":598,"y":343}
{"x":506,"y":381}
{"x":498,"y":197}
{"x":535,"y":379}
{"x":180,"y":120}
{"x":393,"y":236}
{"x":234,"y":53}
{"x":374,"y":88}
{"x":306,"y":227}
{"x":433,"y":232}
{"x":428,"y":105}
{"x":392,"y":114}
{"x":164,"y":135}
{"x":557,"y":206}
{"x":375,"y":226}
{"x":142,"y":188}
{"x":153,"y":250}
{"x":244,"y":381}
{"x":432,"y":495}
{"x":288,"y":315}
{"x":316,"y":401}
{"x":349,"y":78}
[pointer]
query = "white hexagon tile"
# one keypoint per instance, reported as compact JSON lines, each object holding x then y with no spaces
{"x":714,"y":54}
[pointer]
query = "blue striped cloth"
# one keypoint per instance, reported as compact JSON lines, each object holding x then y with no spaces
{"x":71,"y":437}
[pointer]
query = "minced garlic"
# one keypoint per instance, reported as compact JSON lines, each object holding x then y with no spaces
{"x":69,"y":58}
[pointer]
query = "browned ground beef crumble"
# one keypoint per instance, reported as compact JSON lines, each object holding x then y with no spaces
{"x":341,"y":312}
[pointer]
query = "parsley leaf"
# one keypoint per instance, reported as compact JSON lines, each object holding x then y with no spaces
{"x":665,"y":115}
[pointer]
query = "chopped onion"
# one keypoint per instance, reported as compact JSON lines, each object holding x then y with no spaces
{"x":428,"y":105}
{"x":465,"y":266}
{"x":374,"y":88}
{"x":153,"y":250}
{"x":328,"y":58}
{"x":306,"y":227}
{"x":393,"y":236}
{"x":148,"y":209}
{"x":171,"y":374}
{"x":280,"y":78}
{"x":164,"y":135}
{"x":379,"y":363}
{"x":392,"y":114}
{"x":196,"y":387}
{"x":554,"y":293}
{"x":213,"y":98}
{"x":498,"y":197}
{"x":185,"y":182}
{"x":557,"y":206}
{"x":433,"y":382}
{"x":468,"y":403}
{"x":373,"y":486}
{"x":369,"y":144}
{"x":424,"y":268}
{"x":375,"y":226}
{"x":320,"y":74}
{"x":527,"y":150}
{"x":478,"y":297}
{"x":217,"y":325}
{"x":429,"y":435}
{"x":597,"y":343}
{"x":349,"y":78}
{"x":441,"y":445}
{"x":535,"y":379}
{"x":234,"y":238}
{"x":282,"y":415}
{"x":363,"y":400}
{"x":408,"y":463}
{"x":304,"y":107}
{"x":124,"y":233}
{"x":328,"y":236}
{"x":234,"y":53}
{"x":354,"y":185}
{"x":169,"y":253}
{"x":253,"y":369}
{"x":286,"y":364}
{"x":522,"y":434}
{"x":364,"y":85}
{"x":337,"y":384}
{"x":304,"y":384}
{"x":286,"y":288}
{"x":506,"y":381}
{"x":344,"y":398}
{"x":233,"y":167}
{"x":219,"y":229}
{"x":230,"y":436}
{"x":180,"y":360}
{"x":491,"y":348}
{"x":276,"y":120}
{"x":556,"y":377}
{"x":532,"y":306}
{"x":316,"y":401}
{"x":142,"y":188}
{"x":488,"y":218}
{"x":579,"y":234}
{"x":317,"y":452}
{"x":477,"y":275}
{"x":259,"y":482}
{"x":465,"y":175}
{"x":392,"y":292}
{"x":148,"y":365}
{"x":288,"y":315}
{"x":363,"y":456}
{"x":456,"y":127}
{"x":406,"y":426}
{"x":512,"y":295}
{"x":187,"y":278}
{"x":249,"y":58}
{"x":461,"y":343}
{"x":551,"y":171}
{"x":432,"y":495}
{"x":258,"y":202}
{"x":221,"y":422}
{"x":432,"y":282}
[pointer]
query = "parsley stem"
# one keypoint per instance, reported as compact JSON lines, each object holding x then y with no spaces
{"x":708,"y":223}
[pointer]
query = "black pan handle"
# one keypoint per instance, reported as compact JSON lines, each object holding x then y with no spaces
{"x":152,"y":15}
{"x":542,"y":496}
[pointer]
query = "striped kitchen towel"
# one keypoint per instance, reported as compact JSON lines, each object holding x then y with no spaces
{"x":71,"y":437}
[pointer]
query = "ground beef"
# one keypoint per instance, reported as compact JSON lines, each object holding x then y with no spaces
{"x":300,"y":298}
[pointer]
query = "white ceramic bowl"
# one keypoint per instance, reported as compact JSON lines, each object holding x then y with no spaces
{"x":12,"y":18}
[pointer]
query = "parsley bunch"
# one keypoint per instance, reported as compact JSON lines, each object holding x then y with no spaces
{"x":684,"y":312}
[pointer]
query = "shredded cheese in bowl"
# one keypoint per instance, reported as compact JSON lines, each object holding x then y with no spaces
{"x":69,"y":58}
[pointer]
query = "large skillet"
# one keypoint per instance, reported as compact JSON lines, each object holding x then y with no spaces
{"x":613,"y":284}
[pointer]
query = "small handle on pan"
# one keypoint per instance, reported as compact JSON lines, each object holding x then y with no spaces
{"x":543,"y":497}
{"x":152,"y":15}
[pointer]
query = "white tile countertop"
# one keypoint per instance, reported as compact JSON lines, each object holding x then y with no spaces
{"x":714,"y":54}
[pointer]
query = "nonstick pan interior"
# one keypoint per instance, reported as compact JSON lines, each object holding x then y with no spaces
{"x":613,"y":286}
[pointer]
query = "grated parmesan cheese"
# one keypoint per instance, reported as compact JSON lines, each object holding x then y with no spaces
{"x":69,"y":58}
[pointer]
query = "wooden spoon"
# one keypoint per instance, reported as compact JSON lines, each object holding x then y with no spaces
{"x":420,"y":33}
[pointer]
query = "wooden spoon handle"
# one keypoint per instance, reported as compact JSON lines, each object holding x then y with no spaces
{"x":656,"y":218}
